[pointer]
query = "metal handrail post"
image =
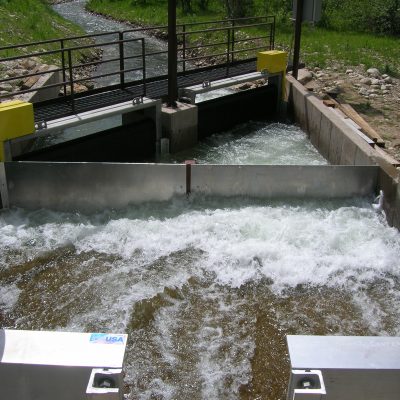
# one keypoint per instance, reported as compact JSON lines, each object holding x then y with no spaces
{"x":273,"y":28}
{"x":233,"y":40}
{"x":63,"y":66}
{"x":144,"y":67}
{"x":121,"y":59}
{"x":297,"y":37}
{"x":184,"y":47}
{"x":172,"y":55}
{"x":228,"y":55}
{"x":71,"y":79}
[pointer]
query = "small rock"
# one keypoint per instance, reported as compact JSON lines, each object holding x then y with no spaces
{"x":320,"y":75}
{"x":316,"y":69}
{"x":366,"y":81}
{"x":386,"y":92}
{"x":6,"y":87}
{"x":372,"y":95}
{"x":333,"y":91}
{"x":374,"y":72}
{"x":383,"y":87}
{"x":371,"y":91}
{"x":363,"y":92}
{"x":28,"y":63}
{"x":375,"y":86}
{"x":388,"y":79}
{"x":384,"y":76}
{"x":90,"y":85}
{"x":22,"y":72}
{"x":396,"y":143}
{"x":78,"y":88}
{"x":244,"y":86}
{"x":375,"y":82}
{"x":349,"y":71}
{"x":357,"y":85}
{"x":304,"y":76}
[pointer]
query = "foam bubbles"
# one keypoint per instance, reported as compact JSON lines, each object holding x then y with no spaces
{"x":206,"y":288}
{"x":255,"y":143}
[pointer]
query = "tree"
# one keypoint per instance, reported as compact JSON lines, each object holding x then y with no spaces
{"x":186,"y":6}
{"x":239,"y":8}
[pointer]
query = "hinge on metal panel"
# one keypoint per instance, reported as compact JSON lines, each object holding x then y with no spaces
{"x":137,"y":100}
{"x":206,"y":84}
{"x":41,"y":125}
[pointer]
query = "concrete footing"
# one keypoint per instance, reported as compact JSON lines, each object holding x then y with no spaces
{"x":179,"y":125}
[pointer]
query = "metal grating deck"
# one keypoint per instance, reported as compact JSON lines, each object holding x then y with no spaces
{"x":156,"y":88}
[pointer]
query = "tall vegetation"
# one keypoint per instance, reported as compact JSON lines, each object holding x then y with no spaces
{"x":378,"y":16}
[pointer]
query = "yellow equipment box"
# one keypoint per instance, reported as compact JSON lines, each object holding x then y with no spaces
{"x":273,"y":61}
{"x":16,"y":119}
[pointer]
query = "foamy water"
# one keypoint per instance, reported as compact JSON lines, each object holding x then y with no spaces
{"x":255,"y":143}
{"x":207,"y":288}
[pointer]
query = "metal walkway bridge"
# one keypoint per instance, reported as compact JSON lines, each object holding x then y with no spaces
{"x":206,"y":51}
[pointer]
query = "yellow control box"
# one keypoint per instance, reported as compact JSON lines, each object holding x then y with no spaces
{"x":273,"y":61}
{"x":16,"y":119}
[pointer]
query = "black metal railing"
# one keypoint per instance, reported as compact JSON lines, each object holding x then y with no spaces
{"x":220,"y":42}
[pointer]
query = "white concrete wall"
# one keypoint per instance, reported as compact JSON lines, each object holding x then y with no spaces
{"x":340,"y":145}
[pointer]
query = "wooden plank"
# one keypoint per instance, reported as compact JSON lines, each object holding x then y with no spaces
{"x":387,"y":157}
{"x":339,"y":113}
{"x":362,"y":136}
{"x":365,"y":127}
{"x":330,"y":103}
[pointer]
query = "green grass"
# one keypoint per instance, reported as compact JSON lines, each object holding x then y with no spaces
{"x":24,"y":21}
{"x":320,"y":47}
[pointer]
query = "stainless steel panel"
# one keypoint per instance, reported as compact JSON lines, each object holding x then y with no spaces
{"x":284,"y":181}
{"x":90,"y":187}
{"x":353,"y":368}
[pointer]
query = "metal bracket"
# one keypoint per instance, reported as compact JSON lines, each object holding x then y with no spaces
{"x":40,"y":125}
{"x":206,"y":84}
{"x":306,"y":385}
{"x":3,"y":187}
{"x":137,"y":100}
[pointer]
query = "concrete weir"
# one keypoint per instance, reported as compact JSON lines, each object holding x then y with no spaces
{"x":357,"y":169}
{"x":341,"y":144}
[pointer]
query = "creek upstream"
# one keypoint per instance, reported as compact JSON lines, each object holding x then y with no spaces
{"x":156,"y":65}
{"x":206,"y":288}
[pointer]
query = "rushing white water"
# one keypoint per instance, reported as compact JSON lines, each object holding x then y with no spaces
{"x":255,"y":143}
{"x":207,"y":288}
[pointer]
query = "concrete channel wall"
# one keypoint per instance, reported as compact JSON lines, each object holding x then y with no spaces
{"x":91,"y":187}
{"x":341,"y":145}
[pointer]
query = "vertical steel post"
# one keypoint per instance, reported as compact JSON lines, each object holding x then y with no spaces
{"x":172,"y":55}
{"x":121,"y":59}
{"x":144,"y":67}
{"x":184,"y":47}
{"x":233,"y":40}
{"x":64,"y":77}
{"x":71,"y":80}
{"x":297,"y":37}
